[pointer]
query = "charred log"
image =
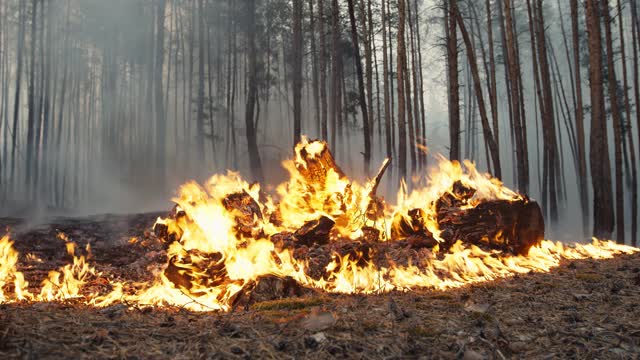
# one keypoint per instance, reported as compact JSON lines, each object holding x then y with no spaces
{"x":315,"y":231}
{"x":510,"y":226}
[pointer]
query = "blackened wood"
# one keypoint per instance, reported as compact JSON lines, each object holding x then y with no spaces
{"x":510,"y":226}
{"x":315,"y":231}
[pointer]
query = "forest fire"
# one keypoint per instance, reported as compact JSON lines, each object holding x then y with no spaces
{"x":325,"y":232}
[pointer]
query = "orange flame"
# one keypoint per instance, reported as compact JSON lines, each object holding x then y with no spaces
{"x":219,"y":249}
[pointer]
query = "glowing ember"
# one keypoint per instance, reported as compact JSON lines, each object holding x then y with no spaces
{"x":221,"y":239}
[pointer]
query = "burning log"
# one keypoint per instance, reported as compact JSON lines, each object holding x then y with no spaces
{"x":410,"y":224}
{"x":315,"y":231}
{"x":509,"y":225}
{"x":380,"y":253}
{"x":211,"y":270}
{"x":314,"y":161}
{"x":246,"y":210}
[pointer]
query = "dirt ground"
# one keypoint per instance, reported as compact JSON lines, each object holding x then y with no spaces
{"x":582,"y":310}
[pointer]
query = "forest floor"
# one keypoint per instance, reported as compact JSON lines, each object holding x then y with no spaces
{"x":582,"y":309}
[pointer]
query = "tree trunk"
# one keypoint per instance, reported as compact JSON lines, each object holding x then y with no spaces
{"x":599,"y":147}
{"x":417,"y":142}
{"x":201,"y":79}
{"x":386,"y":85}
{"x":16,"y":105}
{"x":252,"y":144}
{"x":548,"y":114}
{"x":493,"y":93}
{"x":323,"y":71}
{"x":579,"y":117}
{"x":486,"y":128}
{"x":401,"y":54}
{"x":161,"y":119}
{"x":617,"y":123}
{"x":296,"y":59}
{"x":628,"y":128}
{"x":314,"y":66}
{"x":513,"y":62}
{"x":423,"y":121}
{"x":367,"y":30}
{"x":335,"y":71}
{"x":31,"y":106}
{"x":361,"y":91}
{"x":452,"y":77}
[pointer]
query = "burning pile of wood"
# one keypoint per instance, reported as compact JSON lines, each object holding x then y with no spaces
{"x":509,"y":226}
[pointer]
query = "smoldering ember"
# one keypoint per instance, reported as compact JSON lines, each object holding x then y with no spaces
{"x":447,"y":179}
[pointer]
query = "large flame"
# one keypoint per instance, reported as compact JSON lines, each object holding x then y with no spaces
{"x":217,"y":248}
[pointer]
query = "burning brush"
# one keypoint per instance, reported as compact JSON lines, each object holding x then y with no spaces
{"x":227,"y":242}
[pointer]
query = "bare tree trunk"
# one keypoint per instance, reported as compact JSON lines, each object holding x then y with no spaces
{"x":201,"y":79}
{"x":385,"y":72}
{"x":513,"y":61}
{"x":599,"y":148}
{"x":361,"y":91}
{"x":391,"y":86}
{"x":617,"y":123}
{"x":254,"y":153}
{"x":523,"y":116}
{"x":409,"y":110}
{"x":452,"y":77}
{"x":493,"y":89}
{"x":3,"y":103}
{"x":335,"y":71}
{"x":314,"y":66}
{"x":416,"y":91}
{"x":32,"y":111}
{"x":161,"y":119}
{"x":16,"y":105}
{"x":507,"y":80}
{"x":323,"y":71}
{"x":367,"y":29}
{"x":579,"y":116}
{"x":546,"y":99}
{"x":421,"y":93}
{"x":401,"y":53}
{"x":486,"y":128}
{"x":628,"y":128}
{"x":39,"y":106}
{"x":296,"y":59}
